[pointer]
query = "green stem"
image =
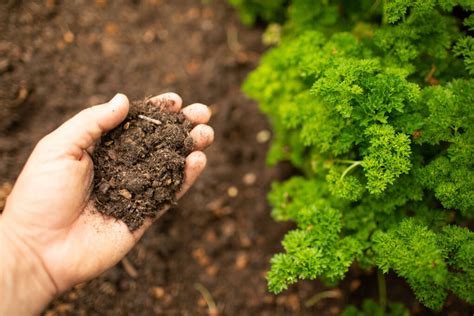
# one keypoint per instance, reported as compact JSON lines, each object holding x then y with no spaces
{"x":384,"y":15}
{"x":354,"y":164}
{"x":346,"y":161}
{"x":322,"y":295}
{"x":211,"y":304}
{"x":374,"y":6}
{"x":382,"y":291}
{"x":455,"y":130}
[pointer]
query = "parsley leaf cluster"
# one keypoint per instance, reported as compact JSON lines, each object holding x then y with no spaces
{"x":373,"y":101}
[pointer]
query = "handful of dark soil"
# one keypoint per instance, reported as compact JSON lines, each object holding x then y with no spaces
{"x":139,"y":165}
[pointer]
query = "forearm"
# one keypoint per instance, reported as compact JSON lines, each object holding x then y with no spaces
{"x":25,"y":286}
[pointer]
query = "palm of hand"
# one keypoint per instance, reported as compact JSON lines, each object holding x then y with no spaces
{"x":49,"y":208}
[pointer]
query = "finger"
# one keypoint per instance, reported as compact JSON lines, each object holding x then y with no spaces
{"x":197,"y":113}
{"x":203,"y":136}
{"x":195,"y":164}
{"x":85,"y":128}
{"x":170,"y":101}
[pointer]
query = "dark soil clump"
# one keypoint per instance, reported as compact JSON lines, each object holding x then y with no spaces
{"x":139,"y":165}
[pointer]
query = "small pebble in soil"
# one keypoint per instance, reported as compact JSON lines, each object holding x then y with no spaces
{"x":201,"y":302}
{"x":249,"y":178}
{"x":232,"y":191}
{"x":334,"y":310}
{"x":158,"y":292}
{"x":241,"y":261}
{"x":68,"y":37}
{"x":212,"y":270}
{"x":201,"y":256}
{"x":139,"y":165}
{"x":263,"y":136}
{"x":354,"y":285}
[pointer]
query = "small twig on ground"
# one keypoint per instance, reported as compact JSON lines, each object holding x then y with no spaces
{"x":233,"y":39}
{"x":211,"y":305}
{"x":149,"y":119}
{"x":129,"y":268}
{"x":429,"y":77}
{"x":336,"y":293}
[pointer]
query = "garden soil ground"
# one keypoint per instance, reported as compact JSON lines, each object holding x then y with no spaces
{"x":57,"y":57}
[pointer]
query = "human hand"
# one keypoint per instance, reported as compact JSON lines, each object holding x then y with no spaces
{"x":51,"y":238}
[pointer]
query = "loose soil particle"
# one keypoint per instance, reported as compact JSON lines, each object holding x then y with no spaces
{"x":139,"y":165}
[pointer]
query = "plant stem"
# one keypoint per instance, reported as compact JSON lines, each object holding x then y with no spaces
{"x":384,"y":15}
{"x":354,"y":164}
{"x":382,"y":291}
{"x":322,"y":295}
{"x":374,"y":6}
{"x":346,"y":161}
{"x":211,"y":305}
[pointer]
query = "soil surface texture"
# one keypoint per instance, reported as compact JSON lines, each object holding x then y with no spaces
{"x":58,"y":57}
{"x":139,"y":165}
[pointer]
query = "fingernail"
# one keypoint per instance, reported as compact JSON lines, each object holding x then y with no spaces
{"x":117,"y":99}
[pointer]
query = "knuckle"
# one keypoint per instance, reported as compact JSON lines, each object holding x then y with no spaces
{"x":87,"y":114}
{"x":44,"y":142}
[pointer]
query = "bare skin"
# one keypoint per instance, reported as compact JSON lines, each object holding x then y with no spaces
{"x":50,"y":236}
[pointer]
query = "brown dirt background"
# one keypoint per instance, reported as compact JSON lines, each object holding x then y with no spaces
{"x":57,"y":57}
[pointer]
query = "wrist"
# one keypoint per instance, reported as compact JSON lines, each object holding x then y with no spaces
{"x":25,"y":284}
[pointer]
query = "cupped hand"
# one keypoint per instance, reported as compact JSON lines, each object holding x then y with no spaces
{"x":49,"y":219}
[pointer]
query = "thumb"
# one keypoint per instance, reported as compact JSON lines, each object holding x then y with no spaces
{"x":85,"y":128}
